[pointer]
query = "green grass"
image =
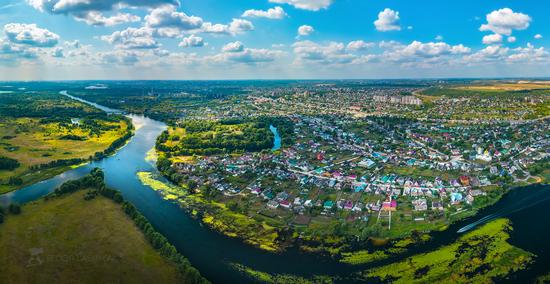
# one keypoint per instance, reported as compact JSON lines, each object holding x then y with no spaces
{"x":477,"y":257}
{"x":79,"y":241}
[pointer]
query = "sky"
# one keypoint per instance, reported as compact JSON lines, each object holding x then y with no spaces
{"x":272,"y":39}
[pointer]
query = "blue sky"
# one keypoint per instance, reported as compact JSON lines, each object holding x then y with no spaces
{"x":272,"y":39}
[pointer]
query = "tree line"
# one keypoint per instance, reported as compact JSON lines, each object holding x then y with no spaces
{"x":8,"y":163}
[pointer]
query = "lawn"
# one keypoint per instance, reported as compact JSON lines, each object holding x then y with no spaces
{"x":72,"y":240}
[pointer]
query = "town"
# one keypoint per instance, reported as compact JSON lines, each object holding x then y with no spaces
{"x":383,"y":171}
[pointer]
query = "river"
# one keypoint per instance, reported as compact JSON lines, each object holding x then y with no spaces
{"x":211,"y":252}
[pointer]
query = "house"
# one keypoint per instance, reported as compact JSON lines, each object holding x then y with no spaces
{"x":464,"y":180}
{"x":420,"y":204}
{"x":285,"y":204}
{"x":348,"y":205}
{"x":328,"y":204}
{"x":272,"y":204}
{"x":389,"y":205}
{"x":436,"y":205}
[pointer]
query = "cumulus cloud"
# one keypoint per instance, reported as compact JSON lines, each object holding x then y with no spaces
{"x":431,"y":49}
{"x":504,"y":21}
{"x":30,"y":34}
{"x":96,"y":18}
{"x":492,"y":39}
{"x":439,"y":38}
{"x":492,"y":53}
{"x":236,"y":46}
{"x":529,"y":54}
{"x":166,"y":16}
{"x":11,"y":53}
{"x":276,"y":13}
{"x":388,"y":20}
{"x":91,"y":11}
{"x":237,"y":52}
{"x":421,"y":54}
{"x":192,"y":41}
{"x":237,"y":26}
{"x":331,"y":53}
{"x":538,"y":36}
{"x":311,"y":5}
{"x":73,"y":44}
{"x":119,"y":57}
{"x":305,"y":30}
{"x":359,"y":45}
{"x":58,"y":52}
{"x":133,"y":38}
{"x":511,"y":39}
{"x":79,"y":6}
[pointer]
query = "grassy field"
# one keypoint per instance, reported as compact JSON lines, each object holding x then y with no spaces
{"x":72,"y":240}
{"x":32,"y":143}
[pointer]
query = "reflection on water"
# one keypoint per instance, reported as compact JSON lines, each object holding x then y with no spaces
{"x":524,"y":203}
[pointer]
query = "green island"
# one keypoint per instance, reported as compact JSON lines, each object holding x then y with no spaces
{"x":44,"y":134}
{"x":87,"y":233}
{"x":480,"y":256}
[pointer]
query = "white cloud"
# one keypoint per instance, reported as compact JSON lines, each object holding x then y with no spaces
{"x":511,"y":39}
{"x":423,"y":54}
{"x":192,"y":41}
{"x":58,"y":52}
{"x":311,"y":5}
{"x":276,"y":13}
{"x":79,"y":6}
{"x":359,"y":45}
{"x":237,"y":26}
{"x":166,"y":16}
{"x":90,"y":11}
{"x":388,"y":20}
{"x":118,"y":57}
{"x":96,"y":18}
{"x":529,"y":54}
{"x":30,"y":34}
{"x":504,"y":21}
{"x":236,"y":46}
{"x":492,"y":39}
{"x":492,"y":53}
{"x":132,"y":38}
{"x":73,"y":44}
{"x":331,"y":53}
{"x":538,"y":36}
{"x":439,"y":38}
{"x":305,"y":30}
{"x":11,"y":53}
{"x":237,"y":52}
{"x":430,"y":49}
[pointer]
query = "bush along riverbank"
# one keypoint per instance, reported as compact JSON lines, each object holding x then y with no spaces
{"x":95,"y":185}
